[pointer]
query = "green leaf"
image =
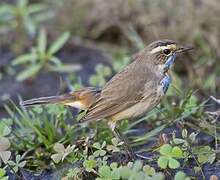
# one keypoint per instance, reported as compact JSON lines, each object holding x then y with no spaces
{"x":176,"y":152}
{"x":58,"y":44}
{"x":89,"y":164}
{"x":184,"y":133}
{"x":125,"y":172}
{"x":24,"y":59}
{"x":22,"y":164}
{"x":18,"y":158}
{"x":102,"y":152}
{"x":114,"y":165}
{"x":4,"y":128}
{"x":5,"y":156}
{"x":178,"y":141}
{"x":56,"y":157}
{"x":105,"y":171}
{"x":96,"y":145}
{"x":35,"y":8}
{"x":115,"y":174}
{"x":4,"y":143}
{"x":42,"y":41}
{"x":150,"y":171}
{"x":59,"y":148}
{"x":173,"y":163}
{"x":202,"y":158}
{"x":56,"y":61}
{"x":166,"y":149}
{"x":2,"y":172}
{"x":162,"y":162}
{"x":180,"y":175}
{"x":29,"y":72}
{"x":22,"y":3}
{"x":65,"y":68}
{"x":137,"y":166}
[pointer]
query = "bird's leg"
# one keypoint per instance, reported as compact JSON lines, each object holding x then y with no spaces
{"x":120,"y":137}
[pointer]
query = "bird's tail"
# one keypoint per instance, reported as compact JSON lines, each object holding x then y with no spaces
{"x":62,"y":99}
{"x":81,"y":99}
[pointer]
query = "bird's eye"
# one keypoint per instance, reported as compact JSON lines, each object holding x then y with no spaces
{"x":166,"y":51}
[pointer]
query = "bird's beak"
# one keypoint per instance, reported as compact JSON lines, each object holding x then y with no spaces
{"x":184,"y":49}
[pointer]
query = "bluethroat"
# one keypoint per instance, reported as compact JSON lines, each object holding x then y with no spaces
{"x":137,"y":89}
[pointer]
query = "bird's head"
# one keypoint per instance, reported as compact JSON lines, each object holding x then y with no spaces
{"x":164,"y":52}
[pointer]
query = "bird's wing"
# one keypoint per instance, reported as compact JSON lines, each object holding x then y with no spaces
{"x":123,"y":91}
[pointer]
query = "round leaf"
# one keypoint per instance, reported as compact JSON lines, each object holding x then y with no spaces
{"x":162,"y":162}
{"x":56,"y":158}
{"x":180,"y":175}
{"x":125,"y":172}
{"x":173,"y":163}
{"x":105,"y":171}
{"x":176,"y":152}
{"x":5,"y":155}
{"x":2,"y":172}
{"x":58,"y":147}
{"x":166,"y":149}
{"x":4,"y":129}
{"x":4,"y":143}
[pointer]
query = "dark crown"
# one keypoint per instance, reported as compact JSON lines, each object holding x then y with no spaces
{"x":164,"y":42}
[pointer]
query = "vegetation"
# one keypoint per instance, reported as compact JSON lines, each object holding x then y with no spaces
{"x":179,"y":139}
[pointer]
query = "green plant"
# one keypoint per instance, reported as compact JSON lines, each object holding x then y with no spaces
{"x":108,"y":172}
{"x":168,"y":156}
{"x":41,"y":57}
{"x":5,"y":127}
{"x":99,"y":149}
{"x":22,"y":16}
{"x":205,"y":154}
{"x":18,"y":163}
{"x":3,"y":174}
{"x":39,"y":126}
{"x":180,"y":175}
{"x":5,"y":154}
{"x":90,"y":164}
{"x":114,"y":147}
{"x":102,"y":72}
{"x":121,"y":59}
{"x":62,"y":152}
{"x":131,"y":171}
{"x":74,"y":173}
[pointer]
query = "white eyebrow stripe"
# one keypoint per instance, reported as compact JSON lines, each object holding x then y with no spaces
{"x":160,"y":48}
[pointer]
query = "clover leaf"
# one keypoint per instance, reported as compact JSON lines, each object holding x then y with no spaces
{"x":62,"y":152}
{"x":99,"y":147}
{"x":168,"y":156}
{"x":4,"y":153}
{"x":114,"y":147}
{"x":18,"y":163}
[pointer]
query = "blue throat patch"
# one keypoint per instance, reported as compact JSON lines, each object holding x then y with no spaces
{"x":165,"y":82}
{"x":170,"y":61}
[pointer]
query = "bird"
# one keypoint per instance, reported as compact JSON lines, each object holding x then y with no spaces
{"x":129,"y":94}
